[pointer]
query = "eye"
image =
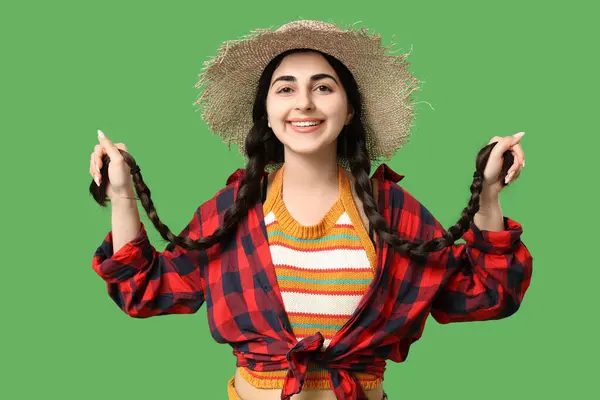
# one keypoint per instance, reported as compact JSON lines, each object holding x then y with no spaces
{"x":327,"y":88}
{"x":287,"y":89}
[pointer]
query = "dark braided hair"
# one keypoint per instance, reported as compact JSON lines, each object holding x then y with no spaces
{"x":264,"y":149}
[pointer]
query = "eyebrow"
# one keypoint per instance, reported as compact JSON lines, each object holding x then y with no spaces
{"x":317,"y":77}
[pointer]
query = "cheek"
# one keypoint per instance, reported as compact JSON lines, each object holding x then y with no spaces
{"x":276,"y":112}
{"x":335,"y":109}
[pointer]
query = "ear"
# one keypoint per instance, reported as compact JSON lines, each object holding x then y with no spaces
{"x":350,"y":115}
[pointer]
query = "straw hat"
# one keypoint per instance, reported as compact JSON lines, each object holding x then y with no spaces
{"x":229,"y":80}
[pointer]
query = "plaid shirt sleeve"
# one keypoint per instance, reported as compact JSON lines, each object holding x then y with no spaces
{"x":144,"y":282}
{"x":484,"y":278}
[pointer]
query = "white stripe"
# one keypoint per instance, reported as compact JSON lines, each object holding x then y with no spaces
{"x":315,"y":260}
{"x":322,"y":304}
{"x":269,"y":218}
{"x":344,"y":219}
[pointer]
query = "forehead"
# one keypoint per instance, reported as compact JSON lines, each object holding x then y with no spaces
{"x":303,"y":64}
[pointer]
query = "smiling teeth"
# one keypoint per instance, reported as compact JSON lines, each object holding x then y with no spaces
{"x":305,"y":123}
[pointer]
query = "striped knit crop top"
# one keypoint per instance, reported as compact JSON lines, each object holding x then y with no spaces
{"x":322,"y":272}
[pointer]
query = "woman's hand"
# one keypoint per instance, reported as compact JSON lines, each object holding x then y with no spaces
{"x":492,"y":184}
{"x":118,"y":170}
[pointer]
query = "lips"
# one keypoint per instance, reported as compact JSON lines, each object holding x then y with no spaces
{"x":305,"y":120}
{"x":305,"y":129}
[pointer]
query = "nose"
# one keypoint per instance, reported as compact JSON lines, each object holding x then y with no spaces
{"x":304,"y":101}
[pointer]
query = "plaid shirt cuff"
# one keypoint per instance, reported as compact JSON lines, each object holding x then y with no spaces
{"x":495,"y":242}
{"x":129,"y":258}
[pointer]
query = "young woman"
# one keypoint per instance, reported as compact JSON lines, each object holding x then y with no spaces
{"x":313,"y":272}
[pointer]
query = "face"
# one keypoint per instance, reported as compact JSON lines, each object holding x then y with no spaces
{"x":307,"y":106}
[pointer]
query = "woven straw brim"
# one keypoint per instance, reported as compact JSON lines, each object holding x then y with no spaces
{"x":229,"y":81}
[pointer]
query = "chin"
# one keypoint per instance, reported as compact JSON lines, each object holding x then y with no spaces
{"x":306,"y":147}
{"x":303,"y":150}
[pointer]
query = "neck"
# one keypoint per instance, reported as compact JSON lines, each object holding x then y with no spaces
{"x":310,"y":174}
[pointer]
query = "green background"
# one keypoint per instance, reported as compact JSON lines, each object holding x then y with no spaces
{"x":129,"y":68}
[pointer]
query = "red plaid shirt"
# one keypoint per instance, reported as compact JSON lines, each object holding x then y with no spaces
{"x":483,"y":279}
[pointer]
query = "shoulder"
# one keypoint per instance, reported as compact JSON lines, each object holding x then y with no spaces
{"x":225,"y":197}
{"x":215,"y":207}
{"x":404,"y":211}
{"x":393,"y":196}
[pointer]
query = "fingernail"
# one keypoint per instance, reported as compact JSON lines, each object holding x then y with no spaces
{"x":97,"y":180}
{"x":507,"y":179}
{"x":518,"y":135}
{"x":523,"y":162}
{"x":100,"y":134}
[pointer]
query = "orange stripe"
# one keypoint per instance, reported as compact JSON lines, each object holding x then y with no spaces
{"x":366,"y":271}
{"x":332,"y":242}
{"x":312,"y":316}
{"x":319,"y":249}
{"x":328,"y":288}
{"x":315,"y":379}
{"x":348,"y":293}
{"x":304,"y":332}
